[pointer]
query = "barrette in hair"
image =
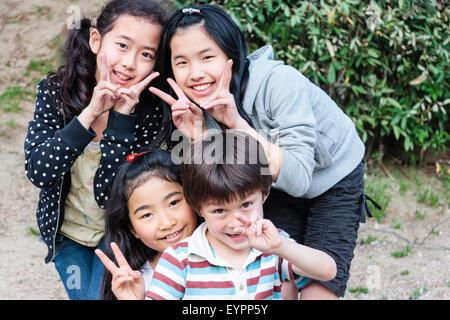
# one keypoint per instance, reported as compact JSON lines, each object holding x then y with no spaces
{"x":93,"y":22}
{"x":133,"y":156}
{"x":190,"y":11}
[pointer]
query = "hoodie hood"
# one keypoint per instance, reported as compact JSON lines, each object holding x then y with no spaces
{"x":261,"y":64}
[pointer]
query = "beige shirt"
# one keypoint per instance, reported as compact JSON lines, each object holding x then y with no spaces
{"x":84,"y":219}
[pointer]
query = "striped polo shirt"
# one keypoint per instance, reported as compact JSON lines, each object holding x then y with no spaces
{"x":191,"y":270}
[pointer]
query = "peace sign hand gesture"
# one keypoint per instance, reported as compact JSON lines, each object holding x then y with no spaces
{"x":222,"y":106}
{"x":261,"y":233}
{"x":127,"y":284}
{"x":129,"y":97}
{"x":186,"y":116}
{"x":104,"y":95}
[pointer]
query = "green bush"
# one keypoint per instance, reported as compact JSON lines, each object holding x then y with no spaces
{"x":384,"y":62}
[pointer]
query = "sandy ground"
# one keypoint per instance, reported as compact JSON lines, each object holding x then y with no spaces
{"x":27,"y":32}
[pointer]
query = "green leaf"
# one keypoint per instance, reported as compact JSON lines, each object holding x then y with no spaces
{"x":34,"y":231}
{"x":396,"y":131}
{"x":331,"y":78}
{"x":358,"y":89}
{"x":393,"y":102}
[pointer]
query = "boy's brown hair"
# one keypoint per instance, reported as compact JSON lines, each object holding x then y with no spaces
{"x":224,"y":167}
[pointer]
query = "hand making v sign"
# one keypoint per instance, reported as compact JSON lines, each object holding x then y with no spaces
{"x":222,"y":106}
{"x":129,"y":97}
{"x":186,"y":116}
{"x":127,"y":284}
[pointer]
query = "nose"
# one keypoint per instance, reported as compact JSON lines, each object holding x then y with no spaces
{"x":233,"y":222}
{"x":166,"y":221}
{"x":196,"y":72}
{"x":129,"y":60}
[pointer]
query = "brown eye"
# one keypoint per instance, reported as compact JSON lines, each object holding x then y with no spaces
{"x":147,"y":55}
{"x":219,"y":211}
{"x":147,"y":215}
{"x":246,"y":205}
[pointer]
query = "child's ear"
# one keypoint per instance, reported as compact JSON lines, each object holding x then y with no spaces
{"x":95,"y":40}
{"x":133,"y":231}
{"x":199,"y":213}
{"x":265,"y":196}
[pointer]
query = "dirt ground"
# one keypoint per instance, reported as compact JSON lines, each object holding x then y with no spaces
{"x":28,"y":31}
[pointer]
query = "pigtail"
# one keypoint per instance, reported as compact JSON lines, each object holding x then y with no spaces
{"x":77,"y":76}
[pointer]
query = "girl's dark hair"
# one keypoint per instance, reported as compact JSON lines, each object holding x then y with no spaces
{"x":76,"y":77}
{"x":131,"y":175}
{"x":224,"y":31}
{"x":223,"y":167}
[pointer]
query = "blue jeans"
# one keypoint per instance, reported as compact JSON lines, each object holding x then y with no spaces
{"x":80,"y":269}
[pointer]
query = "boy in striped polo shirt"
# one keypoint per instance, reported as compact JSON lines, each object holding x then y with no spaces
{"x":235,"y":253}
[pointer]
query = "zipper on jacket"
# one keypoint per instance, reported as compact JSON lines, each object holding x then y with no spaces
{"x":59,"y":210}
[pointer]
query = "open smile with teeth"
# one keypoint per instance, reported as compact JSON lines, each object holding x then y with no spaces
{"x":172,"y":235}
{"x":121,"y":76}
{"x":202,"y":87}
{"x":234,"y":235}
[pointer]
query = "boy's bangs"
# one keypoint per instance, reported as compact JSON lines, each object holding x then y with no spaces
{"x":227,"y":183}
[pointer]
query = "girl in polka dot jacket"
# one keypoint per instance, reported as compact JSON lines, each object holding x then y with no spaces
{"x":89,"y":116}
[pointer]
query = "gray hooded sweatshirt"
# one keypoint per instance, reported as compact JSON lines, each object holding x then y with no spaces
{"x":319,"y":142}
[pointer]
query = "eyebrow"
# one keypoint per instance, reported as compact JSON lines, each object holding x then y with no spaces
{"x":146,"y":206}
{"x":143,"y":207}
{"x":198,"y":53}
{"x":169,"y":195}
{"x":130,"y":39}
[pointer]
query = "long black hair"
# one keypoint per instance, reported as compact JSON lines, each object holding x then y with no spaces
{"x":224,"y":31}
{"x":131,"y":175}
{"x":75,"y":79}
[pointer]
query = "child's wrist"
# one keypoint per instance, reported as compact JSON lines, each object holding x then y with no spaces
{"x":124,"y":109}
{"x":280,"y":248}
{"x":241,"y":125}
{"x":86,"y":118}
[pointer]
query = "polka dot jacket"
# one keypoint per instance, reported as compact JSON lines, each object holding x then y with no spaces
{"x":52,"y":146}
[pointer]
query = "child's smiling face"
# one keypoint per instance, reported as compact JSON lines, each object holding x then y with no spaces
{"x":220,"y":220}
{"x":130,"y":49}
{"x":197,"y":63}
{"x":159,"y":214}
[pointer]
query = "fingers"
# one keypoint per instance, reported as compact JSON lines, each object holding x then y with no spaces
{"x":242,"y":219}
{"x":106,"y":261}
{"x":129,"y":95}
{"x":225,"y":79}
{"x":195,"y":110}
{"x":253,"y":224}
{"x":119,"y":257}
{"x":144,"y":83}
{"x":106,"y":92}
{"x":215,"y":103}
{"x":104,"y":70}
{"x":178,"y":91}
{"x":178,"y":107}
{"x":167,"y":98}
{"x":177,"y":114}
{"x":121,"y":276}
{"x":259,"y":227}
{"x":240,"y":230}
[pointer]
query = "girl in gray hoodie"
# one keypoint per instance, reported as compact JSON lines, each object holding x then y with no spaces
{"x":315,"y":154}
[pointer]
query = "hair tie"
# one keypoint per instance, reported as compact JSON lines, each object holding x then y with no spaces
{"x":93,"y":22}
{"x":133,"y":156}
{"x":191,"y":11}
